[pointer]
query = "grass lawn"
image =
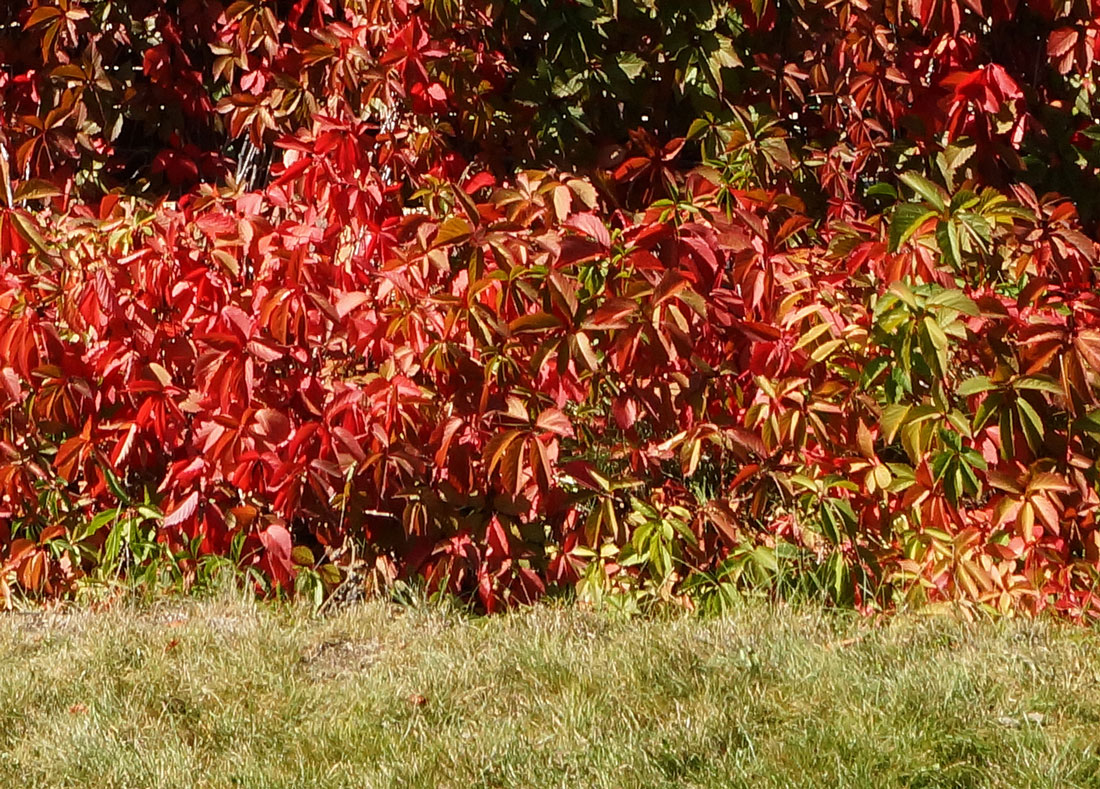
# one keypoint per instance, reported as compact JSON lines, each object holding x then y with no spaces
{"x":228,"y":694}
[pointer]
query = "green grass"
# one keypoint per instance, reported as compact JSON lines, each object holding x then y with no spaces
{"x":229,"y":694}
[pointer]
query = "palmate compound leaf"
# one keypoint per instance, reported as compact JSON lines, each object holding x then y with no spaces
{"x":907,"y":219}
{"x":953,"y":299}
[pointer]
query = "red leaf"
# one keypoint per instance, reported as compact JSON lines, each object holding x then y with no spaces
{"x":554,"y":421}
{"x":278,"y":552}
{"x":625,"y":412}
{"x":612,"y":314}
{"x":272,"y":425}
{"x":592,"y":227}
{"x":535,"y":322}
{"x":1061,"y":41}
{"x":184,"y":511}
{"x":349,"y":302}
{"x":479,"y":181}
{"x":19,"y":549}
{"x":497,"y":539}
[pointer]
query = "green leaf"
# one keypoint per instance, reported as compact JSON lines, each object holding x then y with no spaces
{"x":150,"y":513}
{"x":959,"y":422}
{"x":904,"y":477}
{"x":764,"y":557}
{"x":803,"y":482}
{"x":903,"y":292}
{"x":36,"y":189}
{"x":631,"y":65}
{"x":1089,"y":423}
{"x":947,"y":239}
{"x":954,"y":299}
{"x":113,"y":545}
{"x":963,"y":200}
{"x":1039,"y":383}
{"x":935,"y":333}
{"x":922,"y":413}
{"x":928,"y":191}
{"x":971,"y":484}
{"x":951,"y":439}
{"x":987,"y":410}
{"x":975,"y":385}
{"x":847,"y":514}
{"x":98,"y":522}
{"x":1008,"y":436}
{"x":974,"y":459}
{"x":907,"y":220}
{"x":978,"y":228}
{"x":843,"y":586}
{"x":826,"y":349}
{"x":953,"y":157}
{"x":893,"y":417}
{"x":1031,"y":422}
{"x":114,"y":484}
{"x":914,"y":435}
{"x":26,"y":227}
{"x":829,"y":523}
{"x":454,"y":231}
{"x":698,"y":128}
{"x":899,"y":381}
{"x":330,"y":574}
{"x":953,"y":484}
{"x":873,"y":369}
{"x":644,"y":509}
{"x":941,"y":463}
{"x":882,"y":190}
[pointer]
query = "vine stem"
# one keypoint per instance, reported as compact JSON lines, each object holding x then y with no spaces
{"x":5,"y":170}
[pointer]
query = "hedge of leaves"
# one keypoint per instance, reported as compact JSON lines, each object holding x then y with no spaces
{"x":613,"y":298}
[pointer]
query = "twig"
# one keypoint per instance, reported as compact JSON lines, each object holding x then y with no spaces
{"x":245,"y":161}
{"x":5,"y":170}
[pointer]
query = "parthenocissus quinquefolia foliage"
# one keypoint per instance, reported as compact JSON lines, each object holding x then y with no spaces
{"x":624,"y":299}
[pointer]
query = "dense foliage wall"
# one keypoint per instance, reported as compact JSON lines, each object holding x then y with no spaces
{"x":640,"y":300}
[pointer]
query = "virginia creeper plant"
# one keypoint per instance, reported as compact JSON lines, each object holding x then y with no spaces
{"x":607,"y":297}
